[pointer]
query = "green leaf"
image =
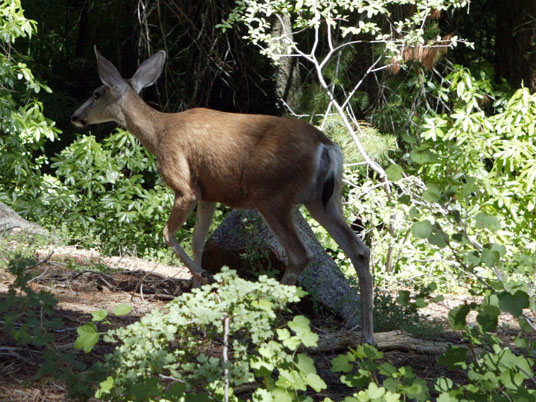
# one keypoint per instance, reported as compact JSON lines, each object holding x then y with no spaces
{"x":457,"y":316}
{"x":300,"y":325}
{"x":444,"y":384}
{"x":432,"y":193}
{"x":422,"y":230}
{"x":342,"y":364}
{"x":490,"y":257}
{"x":87,"y":337}
{"x":423,"y":156}
{"x":122,"y":309}
{"x":375,"y":392}
{"x":403,"y":297}
{"x":99,"y":315}
{"x":146,"y":390}
{"x":315,"y":382}
{"x":394,"y":172}
{"x":488,"y":318}
{"x":514,"y":303}
{"x":487,"y":221}
{"x":366,"y":351}
{"x":305,"y":364}
{"x":453,"y":358}
{"x":472,"y":258}
{"x":437,"y":238}
{"x":418,"y":390}
{"x":105,"y":387}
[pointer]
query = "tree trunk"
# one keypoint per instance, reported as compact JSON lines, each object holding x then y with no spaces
{"x":287,"y":73}
{"x":515,"y":42}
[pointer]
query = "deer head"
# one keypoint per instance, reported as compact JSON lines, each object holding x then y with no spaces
{"x":106,"y":103}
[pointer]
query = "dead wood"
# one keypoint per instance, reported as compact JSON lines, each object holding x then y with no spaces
{"x":386,"y":341}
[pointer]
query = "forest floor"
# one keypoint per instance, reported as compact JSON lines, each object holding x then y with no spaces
{"x":84,"y":281}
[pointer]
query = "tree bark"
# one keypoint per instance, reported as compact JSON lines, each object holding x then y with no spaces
{"x":392,"y":340}
{"x":515,"y":42}
{"x":287,"y":73}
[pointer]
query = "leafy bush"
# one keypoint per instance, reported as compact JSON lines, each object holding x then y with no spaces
{"x":109,"y":195}
{"x":213,"y":340}
{"x":23,"y":127}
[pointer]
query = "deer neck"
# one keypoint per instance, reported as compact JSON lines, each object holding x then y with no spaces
{"x":142,"y":121}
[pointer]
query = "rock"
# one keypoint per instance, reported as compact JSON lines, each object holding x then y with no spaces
{"x":244,"y":243}
{"x":11,"y":222}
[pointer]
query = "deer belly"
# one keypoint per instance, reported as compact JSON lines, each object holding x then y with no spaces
{"x":231,"y":195}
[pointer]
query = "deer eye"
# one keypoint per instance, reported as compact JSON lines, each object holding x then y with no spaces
{"x":96,"y":95}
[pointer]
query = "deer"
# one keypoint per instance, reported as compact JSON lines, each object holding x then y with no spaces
{"x":244,"y":161}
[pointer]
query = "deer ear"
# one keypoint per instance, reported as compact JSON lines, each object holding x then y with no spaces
{"x":149,"y":71}
{"x":109,"y":74}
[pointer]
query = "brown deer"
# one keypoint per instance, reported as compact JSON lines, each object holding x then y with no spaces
{"x":243,"y":161}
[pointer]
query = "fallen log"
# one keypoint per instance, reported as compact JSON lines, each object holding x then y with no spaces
{"x":386,"y":341}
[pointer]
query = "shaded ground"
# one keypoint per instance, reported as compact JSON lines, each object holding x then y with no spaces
{"x":84,"y":282}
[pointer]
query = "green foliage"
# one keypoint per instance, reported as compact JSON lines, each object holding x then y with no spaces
{"x":232,"y":312}
{"x":29,"y":321}
{"x":378,"y":381}
{"x":402,"y":312}
{"x":23,"y":127}
{"x":88,"y":335}
{"x":112,"y":193}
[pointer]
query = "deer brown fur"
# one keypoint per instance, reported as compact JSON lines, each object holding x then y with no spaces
{"x":243,"y":161}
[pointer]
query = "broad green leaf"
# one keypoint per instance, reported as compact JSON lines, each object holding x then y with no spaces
{"x":342,"y":363}
{"x":445,"y":397}
{"x":315,"y":382}
{"x":300,"y":325}
{"x":146,"y":390}
{"x":403,"y":297}
{"x":487,"y":221}
{"x":305,"y":364}
{"x":394,"y":172}
{"x":366,"y":351}
{"x":99,"y":315}
{"x":472,"y":258}
{"x":422,"y":230}
{"x":444,"y":384}
{"x":457,"y":316}
{"x":432,"y":193}
{"x":262,"y":395}
{"x":105,"y":387}
{"x":375,"y":392}
{"x":514,"y":303}
{"x":488,"y":318}
{"x":418,"y":390}
{"x":423,"y":156}
{"x":122,"y":309}
{"x":437,"y":238}
{"x":87,"y":337}
{"x":490,"y":257}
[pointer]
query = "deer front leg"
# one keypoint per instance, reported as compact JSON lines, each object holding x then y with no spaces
{"x":182,"y":207}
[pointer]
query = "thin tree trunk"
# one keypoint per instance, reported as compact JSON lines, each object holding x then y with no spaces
{"x":287,"y":72}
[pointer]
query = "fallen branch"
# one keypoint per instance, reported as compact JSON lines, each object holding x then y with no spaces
{"x":393,"y":340}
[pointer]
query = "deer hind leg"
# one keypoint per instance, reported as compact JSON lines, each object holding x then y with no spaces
{"x":279,"y":220}
{"x":182,"y":207}
{"x":333,"y":220}
{"x":205,"y":212}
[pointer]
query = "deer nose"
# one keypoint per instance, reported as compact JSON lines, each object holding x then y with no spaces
{"x":78,"y":121}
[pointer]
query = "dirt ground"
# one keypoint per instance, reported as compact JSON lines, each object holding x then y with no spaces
{"x":83,"y":281}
